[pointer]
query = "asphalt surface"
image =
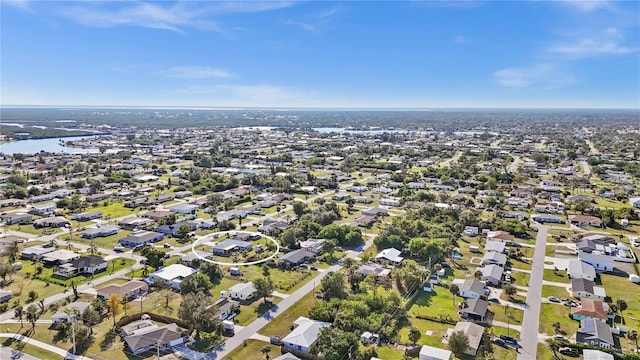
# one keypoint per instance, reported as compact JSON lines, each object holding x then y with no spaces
{"x":531,"y":319}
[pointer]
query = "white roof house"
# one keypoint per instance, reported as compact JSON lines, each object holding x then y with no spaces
{"x":581,"y":270}
{"x":390,"y":254}
{"x":589,"y":354}
{"x":243,"y":291}
{"x":434,"y":353}
{"x":171,"y":275}
{"x":304,"y":335}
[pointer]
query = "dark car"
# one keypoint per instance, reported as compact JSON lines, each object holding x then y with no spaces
{"x":444,"y":264}
{"x":568,"y":351}
{"x":509,"y":339}
{"x":313,"y":268}
{"x":494,"y":300}
{"x":498,"y":342}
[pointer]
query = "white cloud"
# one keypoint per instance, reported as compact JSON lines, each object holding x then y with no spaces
{"x":158,"y":15}
{"x":302,"y":25}
{"x":587,"y":5}
{"x":546,"y":76}
{"x":196,"y":72}
{"x":21,"y":4}
{"x":606,"y":42}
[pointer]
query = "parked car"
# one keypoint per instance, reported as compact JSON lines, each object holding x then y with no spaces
{"x":554,"y":299}
{"x":167,"y":245}
{"x":509,"y":339}
{"x":498,"y":341}
{"x":560,"y":338}
{"x":313,"y":268}
{"x":568,"y":351}
{"x":494,"y":300}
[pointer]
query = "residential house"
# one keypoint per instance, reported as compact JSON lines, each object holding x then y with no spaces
{"x":157,"y":215}
{"x":547,"y":218}
{"x":475,"y":310}
{"x":583,"y":288}
{"x":174,"y":229}
{"x":340,"y":197}
{"x":471,"y":231}
{"x":474,"y":334}
{"x":591,"y":309}
{"x":312,"y":245}
{"x":491,"y":274}
{"x":494,"y":257}
{"x":59,"y":257}
{"x":375,"y":211}
{"x":226,"y":307}
{"x":635,"y":202}
{"x":87,"y":216}
{"x":390,"y":256}
{"x":229,"y":246}
{"x":43,"y":209}
{"x":52,"y":221}
{"x":231,"y":214}
{"x":154,"y":338}
{"x":390,"y":202}
{"x":594,"y":332}
{"x":61,"y":316}
{"x":493,"y":245}
{"x":581,"y":270}
{"x":600,"y":263}
{"x":97,"y":197}
{"x":171,"y":275}
{"x":141,"y":238}
{"x":35,"y":252}
{"x":433,"y":353}
{"x":243,"y":291}
{"x":184,"y":209}
{"x":89,"y":264}
{"x":103,"y":231}
{"x":501,"y":236}
{"x":196,"y":255}
{"x":297,"y":257}
{"x":129,"y":290}
{"x":364,"y":220}
{"x":584,"y":220}
{"x":471,"y":289}
{"x":373,"y":269}
{"x":590,"y":354}
{"x":304,"y":335}
{"x":134,"y":222}
{"x":16,"y":218}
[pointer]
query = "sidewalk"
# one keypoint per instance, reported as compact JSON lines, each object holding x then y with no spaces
{"x":56,"y":350}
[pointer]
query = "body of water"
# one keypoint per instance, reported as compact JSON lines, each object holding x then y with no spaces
{"x":53,"y":145}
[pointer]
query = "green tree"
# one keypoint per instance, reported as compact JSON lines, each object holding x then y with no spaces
{"x":195,"y":283}
{"x":90,"y":316}
{"x":264,"y":287}
{"x":6,"y":269}
{"x":414,"y":334}
{"x":454,"y":290}
{"x":510,"y":290}
{"x":622,"y":306}
{"x":154,"y":257}
{"x":458,"y":343}
{"x":32,"y":315}
{"x":333,"y":286}
{"x":19,"y":312}
{"x":197,"y":309}
{"x":184,"y":231}
{"x":299,"y":208}
{"x":329,"y":247}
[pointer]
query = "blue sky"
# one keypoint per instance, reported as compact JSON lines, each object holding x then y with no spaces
{"x":321,"y":54}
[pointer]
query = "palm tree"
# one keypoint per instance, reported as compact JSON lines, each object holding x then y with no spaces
{"x":556,"y":327}
{"x":553,"y":346}
{"x":266,"y":350}
{"x":454,"y":289}
{"x":633,"y":335}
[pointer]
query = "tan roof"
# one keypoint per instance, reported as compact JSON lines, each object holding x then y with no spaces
{"x":591,"y":308}
{"x":122,"y":289}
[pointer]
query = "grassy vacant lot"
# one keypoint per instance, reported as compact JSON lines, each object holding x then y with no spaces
{"x":519,"y":264}
{"x":252,"y":351}
{"x":22,"y":283}
{"x":107,"y":242}
{"x":388,"y":352}
{"x":440,"y":301}
{"x":550,"y":313}
{"x":521,"y":278}
{"x":29,"y":229}
{"x":556,"y":276}
{"x":285,"y":281}
{"x":559,"y":292}
{"x":250,"y":312}
{"x":618,"y":287}
{"x":280,"y":325}
{"x":514,"y":315}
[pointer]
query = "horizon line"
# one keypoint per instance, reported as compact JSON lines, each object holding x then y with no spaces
{"x":309,"y":108}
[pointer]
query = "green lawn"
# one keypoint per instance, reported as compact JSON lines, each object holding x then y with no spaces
{"x":556,"y":276}
{"x":550,"y":313}
{"x":252,"y":351}
{"x":388,"y":352}
{"x":250,"y":312}
{"x":618,"y":287}
{"x":521,"y":278}
{"x":559,"y":292}
{"x":514,"y":315}
{"x":29,"y":229}
{"x":115,"y":209}
{"x":113,"y":266}
{"x":280,"y":325}
{"x":440,"y":301}
{"x":23,"y":282}
{"x":519,"y":264}
{"x":26,"y":348}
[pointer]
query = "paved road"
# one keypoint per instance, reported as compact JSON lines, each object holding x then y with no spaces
{"x":586,"y":169}
{"x":13,"y":354}
{"x":56,"y":350}
{"x":531,"y":319}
